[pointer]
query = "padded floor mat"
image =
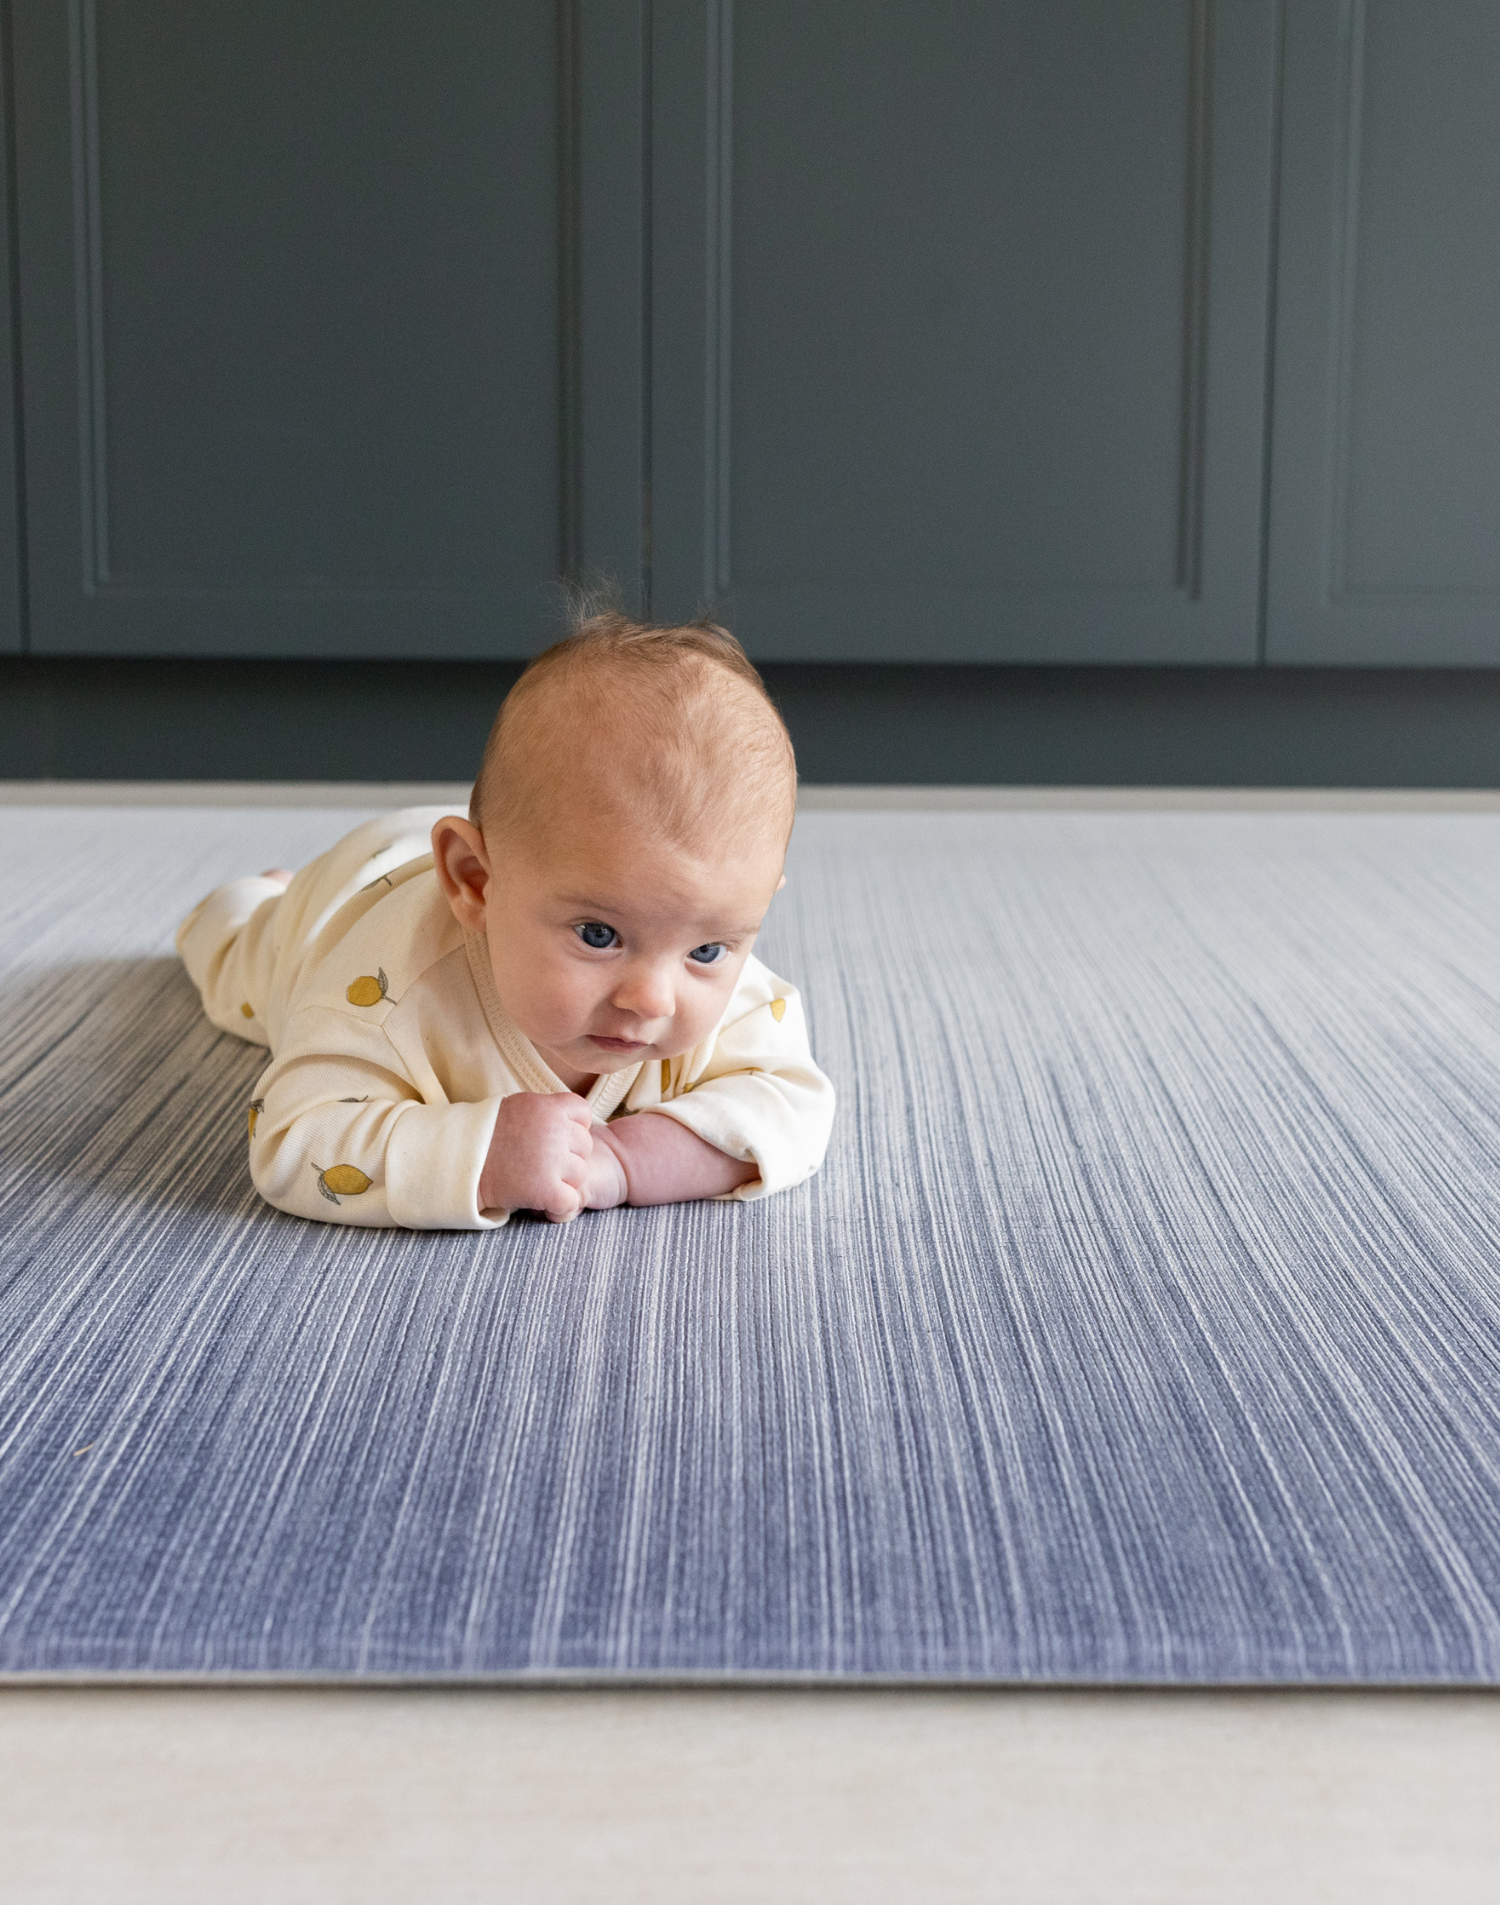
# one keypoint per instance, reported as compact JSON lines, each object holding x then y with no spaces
{"x":1143,"y":1325}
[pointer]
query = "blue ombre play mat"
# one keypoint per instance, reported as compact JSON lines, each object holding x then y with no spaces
{"x":1144,"y":1324}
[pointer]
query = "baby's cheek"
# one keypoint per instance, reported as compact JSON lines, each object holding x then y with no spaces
{"x":699,"y":1013}
{"x":574,"y":1000}
{"x":537,"y":997}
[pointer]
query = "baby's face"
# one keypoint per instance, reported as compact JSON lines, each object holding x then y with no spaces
{"x":613,"y":949}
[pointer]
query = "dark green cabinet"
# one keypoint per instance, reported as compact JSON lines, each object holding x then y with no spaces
{"x":291,"y":287}
{"x":1385,"y":473}
{"x":1098,"y":331}
{"x":960,"y":325}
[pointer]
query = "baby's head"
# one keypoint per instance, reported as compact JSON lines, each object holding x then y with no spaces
{"x":627,"y":832}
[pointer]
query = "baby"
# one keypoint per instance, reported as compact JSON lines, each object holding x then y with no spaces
{"x":550,"y":1005}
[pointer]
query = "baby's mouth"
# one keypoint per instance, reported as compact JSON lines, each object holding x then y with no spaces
{"x":618,"y":1044}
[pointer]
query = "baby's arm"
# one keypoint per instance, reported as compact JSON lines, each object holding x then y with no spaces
{"x":656,"y":1160}
{"x":547,"y":1154}
{"x":757,"y":1096}
{"x":754,"y":1116}
{"x":339,"y":1132}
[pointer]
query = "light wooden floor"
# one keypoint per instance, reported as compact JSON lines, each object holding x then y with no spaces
{"x":113,"y":1795}
{"x":697,"y":1797}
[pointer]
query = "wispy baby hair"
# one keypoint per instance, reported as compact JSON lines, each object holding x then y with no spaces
{"x":669,"y":720}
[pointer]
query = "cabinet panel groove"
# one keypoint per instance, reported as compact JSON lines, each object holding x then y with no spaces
{"x":88,"y":278}
{"x":569,"y":291}
{"x":1350,"y":122}
{"x":14,"y":630}
{"x":718,"y":200}
{"x":1197,"y":202}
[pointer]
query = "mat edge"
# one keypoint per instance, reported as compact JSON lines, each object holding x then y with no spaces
{"x":713,"y":1680}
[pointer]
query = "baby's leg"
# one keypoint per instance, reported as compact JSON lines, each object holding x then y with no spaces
{"x":228,"y":945}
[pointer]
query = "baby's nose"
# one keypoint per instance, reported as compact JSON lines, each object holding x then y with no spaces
{"x":646,"y":993}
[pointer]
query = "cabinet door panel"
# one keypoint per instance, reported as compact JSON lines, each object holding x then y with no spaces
{"x":11,"y":566}
{"x":1385,"y":516}
{"x":298,"y":372}
{"x":960,"y":325}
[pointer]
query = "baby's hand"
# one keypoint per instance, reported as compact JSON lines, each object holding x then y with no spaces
{"x":605,"y":1184}
{"x":539,"y":1155}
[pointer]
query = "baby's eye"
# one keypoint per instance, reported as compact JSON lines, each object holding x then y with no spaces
{"x":709,"y":955}
{"x":596,"y":935}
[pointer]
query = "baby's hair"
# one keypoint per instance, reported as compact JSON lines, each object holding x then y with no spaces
{"x":702,"y":748}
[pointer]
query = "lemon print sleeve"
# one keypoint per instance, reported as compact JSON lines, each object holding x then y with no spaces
{"x":376,"y":1156}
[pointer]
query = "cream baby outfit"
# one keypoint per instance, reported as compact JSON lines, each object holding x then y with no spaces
{"x":391,"y":1051}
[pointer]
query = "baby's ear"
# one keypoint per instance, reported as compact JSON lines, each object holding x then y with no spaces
{"x":463,"y":869}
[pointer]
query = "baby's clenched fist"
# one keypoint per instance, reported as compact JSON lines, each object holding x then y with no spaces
{"x":539,"y":1155}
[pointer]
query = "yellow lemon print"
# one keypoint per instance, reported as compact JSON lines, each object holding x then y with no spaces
{"x":666,"y":1076}
{"x":368,"y":991}
{"x":247,"y":1011}
{"x":257,"y":1106}
{"x":341,"y":1180}
{"x":778,"y":1010}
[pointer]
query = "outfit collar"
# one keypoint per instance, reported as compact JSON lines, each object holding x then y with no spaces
{"x":608,"y":1089}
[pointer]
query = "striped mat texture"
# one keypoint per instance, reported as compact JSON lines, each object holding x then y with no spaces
{"x":1144,"y":1324}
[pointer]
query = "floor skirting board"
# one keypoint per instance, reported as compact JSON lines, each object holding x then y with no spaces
{"x":71,"y":719}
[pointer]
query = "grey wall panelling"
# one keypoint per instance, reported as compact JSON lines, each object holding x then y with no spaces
{"x":959,"y":325}
{"x":909,"y":333}
{"x":12,"y":606}
{"x":310,"y":340}
{"x":1385,"y":491}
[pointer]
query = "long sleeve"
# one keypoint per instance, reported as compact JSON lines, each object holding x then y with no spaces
{"x":344,"y":1132}
{"x":752,"y":1090}
{"x":368,"y":1113}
